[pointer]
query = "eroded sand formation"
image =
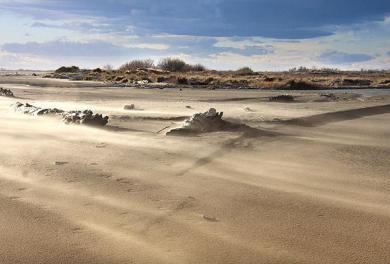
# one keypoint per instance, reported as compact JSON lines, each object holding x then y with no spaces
{"x":201,"y":122}
{"x":6,"y":92}
{"x":210,"y":121}
{"x":86,"y":117}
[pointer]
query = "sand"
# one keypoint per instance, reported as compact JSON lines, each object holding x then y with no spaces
{"x":311,"y":186}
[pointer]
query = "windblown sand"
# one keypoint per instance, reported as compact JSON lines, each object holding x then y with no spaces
{"x":312,"y":186}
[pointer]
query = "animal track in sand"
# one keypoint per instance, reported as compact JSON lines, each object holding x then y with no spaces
{"x":210,"y":218}
{"x":60,"y":163}
{"x":124,"y":181}
{"x":77,"y":229}
{"x":103,"y":175}
{"x":71,"y":180}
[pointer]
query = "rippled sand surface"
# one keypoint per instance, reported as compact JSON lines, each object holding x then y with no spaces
{"x":312,"y":186}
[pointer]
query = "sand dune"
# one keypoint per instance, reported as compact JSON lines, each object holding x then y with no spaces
{"x":313,"y":188}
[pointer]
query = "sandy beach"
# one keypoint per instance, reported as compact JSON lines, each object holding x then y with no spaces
{"x":311,"y":185}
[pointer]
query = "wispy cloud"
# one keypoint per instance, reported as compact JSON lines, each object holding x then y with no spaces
{"x":276,"y":19}
{"x":227,"y":33}
{"x":93,"y":49}
{"x":337,"y":57}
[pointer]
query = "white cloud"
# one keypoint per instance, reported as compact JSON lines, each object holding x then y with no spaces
{"x":154,"y":46}
{"x":15,"y":61}
{"x":370,"y":38}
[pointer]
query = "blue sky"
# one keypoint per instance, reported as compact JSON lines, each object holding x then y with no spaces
{"x":222,"y":34}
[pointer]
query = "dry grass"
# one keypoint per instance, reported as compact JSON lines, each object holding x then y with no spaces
{"x":133,"y":73}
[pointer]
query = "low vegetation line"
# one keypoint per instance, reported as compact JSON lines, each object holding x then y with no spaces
{"x":174,"y":72}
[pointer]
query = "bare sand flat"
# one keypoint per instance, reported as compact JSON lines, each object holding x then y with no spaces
{"x":312,"y":186}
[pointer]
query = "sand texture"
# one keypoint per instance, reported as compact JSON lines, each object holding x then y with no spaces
{"x":306,"y":182}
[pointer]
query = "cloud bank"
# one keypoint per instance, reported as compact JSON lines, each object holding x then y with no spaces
{"x":267,"y":34}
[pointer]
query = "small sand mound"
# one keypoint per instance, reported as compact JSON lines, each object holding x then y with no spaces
{"x":202,"y":122}
{"x":6,"y":92}
{"x":86,"y":117}
{"x":129,"y":107}
{"x":210,"y":121}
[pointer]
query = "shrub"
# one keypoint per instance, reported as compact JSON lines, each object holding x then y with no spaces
{"x":137,"y":64}
{"x":299,"y":85}
{"x":172,"y":64}
{"x":195,"y":68}
{"x":244,"y":71}
{"x":182,"y":80}
{"x":70,"y":69}
{"x":178,"y":65}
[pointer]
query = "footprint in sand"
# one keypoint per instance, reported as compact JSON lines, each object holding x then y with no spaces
{"x":101,"y":145}
{"x":60,"y":163}
{"x":106,"y":176}
{"x":71,"y":180}
{"x":76,"y":229}
{"x":124,"y":181}
{"x":210,"y":218}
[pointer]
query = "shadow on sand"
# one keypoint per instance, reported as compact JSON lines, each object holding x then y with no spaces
{"x":311,"y":121}
{"x":327,"y":118}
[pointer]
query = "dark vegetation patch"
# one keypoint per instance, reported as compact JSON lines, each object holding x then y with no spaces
{"x":282,"y":98}
{"x":137,"y":64}
{"x":299,"y":85}
{"x":178,"y":65}
{"x":245,"y":71}
{"x":356,"y":82}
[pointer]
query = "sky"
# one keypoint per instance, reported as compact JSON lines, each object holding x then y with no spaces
{"x":267,"y":35}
